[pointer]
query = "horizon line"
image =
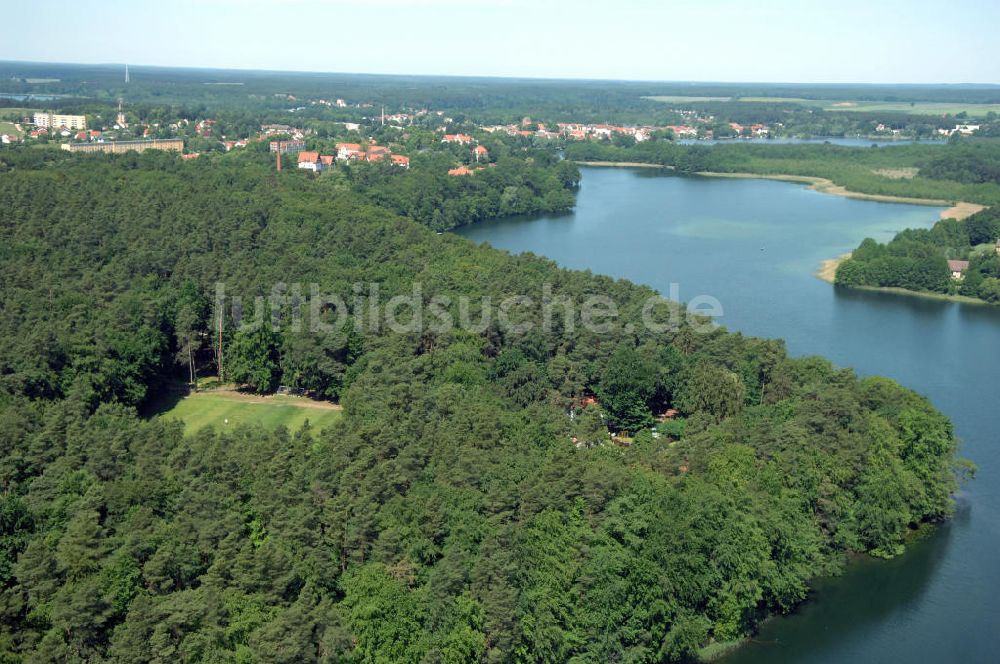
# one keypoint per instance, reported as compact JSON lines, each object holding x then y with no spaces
{"x":495,"y":76}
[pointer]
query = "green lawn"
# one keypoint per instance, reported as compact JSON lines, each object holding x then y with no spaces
{"x":9,"y":128}
{"x":221,"y":410}
{"x":919,"y":107}
{"x":15,"y":113}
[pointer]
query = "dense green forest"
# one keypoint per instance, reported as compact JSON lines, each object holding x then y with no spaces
{"x":447,"y":516}
{"x":530,"y":183}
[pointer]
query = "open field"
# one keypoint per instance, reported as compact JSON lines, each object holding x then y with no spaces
{"x":15,"y":113}
{"x":9,"y":128}
{"x":225,"y":408}
{"x":917,"y":107}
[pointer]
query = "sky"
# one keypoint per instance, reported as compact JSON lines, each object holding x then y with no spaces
{"x":833,"y":41}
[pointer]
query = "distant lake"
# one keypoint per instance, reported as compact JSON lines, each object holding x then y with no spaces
{"x":833,"y":140}
{"x":754,"y":245}
{"x":25,"y":97}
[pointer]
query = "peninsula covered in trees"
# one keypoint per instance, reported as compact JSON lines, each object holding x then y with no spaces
{"x":957,"y":257}
{"x":448,"y":516}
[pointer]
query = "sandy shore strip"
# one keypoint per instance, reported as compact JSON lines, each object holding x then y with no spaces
{"x":961,"y":210}
{"x":827,"y":186}
{"x":828,"y":269}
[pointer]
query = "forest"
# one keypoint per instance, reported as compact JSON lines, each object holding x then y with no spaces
{"x":448,"y":516}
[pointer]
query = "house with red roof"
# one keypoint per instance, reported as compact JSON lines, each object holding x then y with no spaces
{"x":377,"y":152}
{"x":958,"y":269}
{"x":347,"y":151}
{"x":400,"y":160}
{"x":464,"y":139}
{"x":460,"y":171}
{"x":480,"y":153}
{"x":309,"y":160}
{"x":681,"y":131}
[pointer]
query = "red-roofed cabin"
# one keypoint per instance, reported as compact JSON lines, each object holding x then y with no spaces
{"x":400,"y":160}
{"x":461,"y":170}
{"x":309,"y":160}
{"x":958,"y":269}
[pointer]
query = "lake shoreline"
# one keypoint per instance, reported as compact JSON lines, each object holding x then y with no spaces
{"x":955,"y":209}
{"x":827,"y":270}
{"x":623,"y":164}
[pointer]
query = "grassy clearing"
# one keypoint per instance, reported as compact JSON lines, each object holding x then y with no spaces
{"x":15,"y":113}
{"x":897,"y":173}
{"x":9,"y":128}
{"x":224,"y":409}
